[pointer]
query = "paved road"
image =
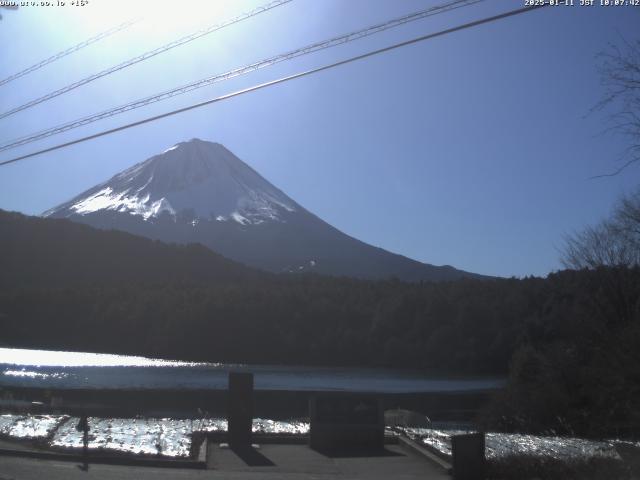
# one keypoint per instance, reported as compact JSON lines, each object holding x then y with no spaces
{"x":270,"y":462}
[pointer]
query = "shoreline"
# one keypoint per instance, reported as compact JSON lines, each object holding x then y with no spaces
{"x":182,"y":403}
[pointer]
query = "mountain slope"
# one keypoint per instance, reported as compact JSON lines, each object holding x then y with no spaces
{"x":51,"y":252}
{"x":198,"y":191}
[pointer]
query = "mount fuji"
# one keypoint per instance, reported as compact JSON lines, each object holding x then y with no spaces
{"x":200,"y":192}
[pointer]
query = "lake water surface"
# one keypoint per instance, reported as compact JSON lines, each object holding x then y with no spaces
{"x":52,"y":369}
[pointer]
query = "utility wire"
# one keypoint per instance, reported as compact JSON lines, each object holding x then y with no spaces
{"x":308,"y":49}
{"x":279,"y":80}
{"x":69,"y":51}
{"x":145,"y":56}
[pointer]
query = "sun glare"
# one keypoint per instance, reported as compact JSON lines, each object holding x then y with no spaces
{"x":157,"y":16}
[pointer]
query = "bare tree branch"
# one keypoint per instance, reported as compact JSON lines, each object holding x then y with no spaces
{"x":614,"y":242}
{"x":619,"y":71}
{"x":616,"y":172}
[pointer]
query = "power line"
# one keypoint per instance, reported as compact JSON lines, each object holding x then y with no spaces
{"x":279,"y":81}
{"x":308,"y":49}
{"x":69,"y":51}
{"x":145,"y":56}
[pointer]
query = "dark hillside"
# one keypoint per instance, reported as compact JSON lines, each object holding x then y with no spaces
{"x":52,"y":252}
{"x":569,"y":342}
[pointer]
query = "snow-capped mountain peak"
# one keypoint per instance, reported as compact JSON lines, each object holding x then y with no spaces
{"x":200,"y":192}
{"x":199,"y":179}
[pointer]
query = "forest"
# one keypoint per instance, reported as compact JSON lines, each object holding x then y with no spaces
{"x":567,"y":342}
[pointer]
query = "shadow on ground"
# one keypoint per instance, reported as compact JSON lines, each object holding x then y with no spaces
{"x":252,"y":457}
{"x":355,"y":453}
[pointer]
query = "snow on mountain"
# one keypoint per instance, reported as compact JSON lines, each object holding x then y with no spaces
{"x":202,"y":179}
{"x":200,"y":192}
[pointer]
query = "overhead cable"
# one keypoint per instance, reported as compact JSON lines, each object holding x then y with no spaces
{"x":69,"y":51}
{"x":144,"y":56}
{"x":279,"y":81}
{"x":308,"y":49}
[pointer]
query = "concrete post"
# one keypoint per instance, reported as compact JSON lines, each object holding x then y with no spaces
{"x":468,"y":456}
{"x":240,"y":409}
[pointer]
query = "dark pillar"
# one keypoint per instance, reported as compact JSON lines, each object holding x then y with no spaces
{"x":468,"y":456}
{"x":240,"y":409}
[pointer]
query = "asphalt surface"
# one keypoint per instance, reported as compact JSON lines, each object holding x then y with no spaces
{"x":269,"y":462}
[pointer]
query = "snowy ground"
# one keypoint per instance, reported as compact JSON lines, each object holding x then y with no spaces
{"x":151,"y":436}
{"x":500,"y":445}
{"x":172,"y":438}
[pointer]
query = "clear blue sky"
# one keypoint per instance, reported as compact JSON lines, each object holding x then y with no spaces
{"x":473,"y":149}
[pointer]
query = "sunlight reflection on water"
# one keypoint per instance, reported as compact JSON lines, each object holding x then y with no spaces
{"x":30,"y":374}
{"x":50,"y":358}
{"x":78,"y":370}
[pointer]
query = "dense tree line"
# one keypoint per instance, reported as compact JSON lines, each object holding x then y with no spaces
{"x":463,"y":326}
{"x":568,"y":342}
{"x":69,"y":285}
{"x":576,"y":369}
